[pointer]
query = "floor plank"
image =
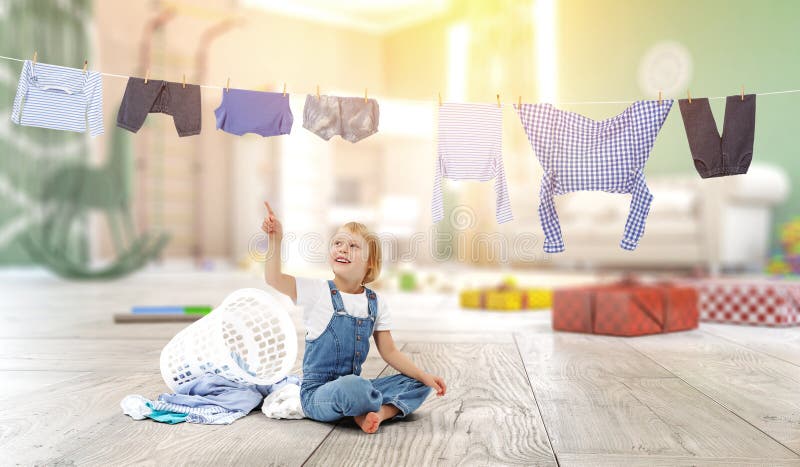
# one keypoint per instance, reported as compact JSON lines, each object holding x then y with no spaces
{"x":438,"y":337}
{"x":256,"y":438}
{"x":38,"y":428}
{"x":64,"y":367}
{"x":25,"y":383}
{"x":252,"y":440}
{"x":600,"y":396}
{"x":759,"y":388}
{"x":488,"y":417}
{"x":104,"y":355}
{"x":783,"y":343}
{"x":606,"y":460}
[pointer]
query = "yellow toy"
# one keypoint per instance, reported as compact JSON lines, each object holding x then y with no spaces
{"x":787,"y":262}
{"x":507,"y":297}
{"x":470,"y":298}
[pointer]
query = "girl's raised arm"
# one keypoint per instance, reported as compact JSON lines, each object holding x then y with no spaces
{"x":283,"y":283}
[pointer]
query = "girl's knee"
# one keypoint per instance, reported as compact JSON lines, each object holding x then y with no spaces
{"x":357,"y":396}
{"x":353,"y":383}
{"x":358,"y":387}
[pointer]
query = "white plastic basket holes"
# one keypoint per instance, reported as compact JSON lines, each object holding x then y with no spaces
{"x":249,"y":338}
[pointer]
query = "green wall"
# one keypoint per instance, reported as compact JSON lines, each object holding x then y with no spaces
{"x":59,"y":31}
{"x":732,"y":43}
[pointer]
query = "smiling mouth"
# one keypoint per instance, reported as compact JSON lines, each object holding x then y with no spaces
{"x":343,"y":260}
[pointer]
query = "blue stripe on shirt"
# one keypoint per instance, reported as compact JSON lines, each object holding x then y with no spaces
{"x":74,"y":99}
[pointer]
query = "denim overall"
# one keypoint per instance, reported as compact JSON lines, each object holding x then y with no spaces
{"x":332,"y":387}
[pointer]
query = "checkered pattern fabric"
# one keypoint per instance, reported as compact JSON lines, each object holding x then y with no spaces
{"x":578,"y":153}
{"x":621,"y":310}
{"x":572,"y":310}
{"x":681,"y":298}
{"x":621,"y":314}
{"x":762,"y":303}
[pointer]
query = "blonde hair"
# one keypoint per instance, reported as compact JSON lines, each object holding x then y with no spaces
{"x":374,"y":245}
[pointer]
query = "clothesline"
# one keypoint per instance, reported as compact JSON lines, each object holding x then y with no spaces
{"x":211,"y":86}
{"x":469,"y":133}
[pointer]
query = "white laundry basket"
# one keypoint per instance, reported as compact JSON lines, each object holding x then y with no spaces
{"x":249,"y":339}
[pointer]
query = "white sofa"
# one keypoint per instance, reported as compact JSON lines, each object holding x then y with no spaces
{"x":719,"y":224}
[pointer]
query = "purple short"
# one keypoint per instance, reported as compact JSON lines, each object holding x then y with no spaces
{"x":263,"y":113}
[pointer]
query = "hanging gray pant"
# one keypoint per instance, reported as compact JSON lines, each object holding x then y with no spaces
{"x":156,"y":96}
{"x":716,"y":156}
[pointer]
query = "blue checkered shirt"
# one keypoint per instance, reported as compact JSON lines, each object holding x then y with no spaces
{"x":578,"y":153}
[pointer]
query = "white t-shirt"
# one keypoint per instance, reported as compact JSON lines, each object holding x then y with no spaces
{"x":314,"y":296}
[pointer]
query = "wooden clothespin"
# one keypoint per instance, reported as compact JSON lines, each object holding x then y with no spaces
{"x":146,"y":76}
{"x":365,"y":95}
{"x":440,"y":99}
{"x":318,"y":91}
{"x":184,"y":80}
{"x":85,"y":64}
{"x":659,"y":97}
{"x":743,"y":93}
{"x":498,"y":100}
{"x":35,"y":55}
{"x":228,"y":86}
{"x":689,"y":94}
{"x":519,"y":102}
{"x":284,"y":89}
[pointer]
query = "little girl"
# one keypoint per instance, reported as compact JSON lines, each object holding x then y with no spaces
{"x":339,"y":316}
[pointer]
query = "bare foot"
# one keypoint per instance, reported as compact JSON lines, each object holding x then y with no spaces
{"x":368,"y":422}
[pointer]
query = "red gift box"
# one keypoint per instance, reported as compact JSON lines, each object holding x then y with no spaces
{"x":625,"y":309}
{"x":749,"y":301}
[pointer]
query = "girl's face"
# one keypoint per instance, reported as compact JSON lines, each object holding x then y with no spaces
{"x":349,"y":255}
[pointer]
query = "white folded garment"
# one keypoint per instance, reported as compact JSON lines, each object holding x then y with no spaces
{"x":135,"y":406}
{"x":284,"y":402}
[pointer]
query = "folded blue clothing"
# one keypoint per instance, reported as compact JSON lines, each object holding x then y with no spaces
{"x":209,"y":399}
{"x":165,"y":416}
{"x":206,"y":416}
{"x":211,"y":390}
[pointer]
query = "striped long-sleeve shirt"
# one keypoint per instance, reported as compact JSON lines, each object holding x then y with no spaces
{"x":470,"y":148}
{"x":60,"y":98}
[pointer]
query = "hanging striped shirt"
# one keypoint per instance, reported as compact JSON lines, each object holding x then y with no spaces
{"x":470,"y":148}
{"x":60,"y":98}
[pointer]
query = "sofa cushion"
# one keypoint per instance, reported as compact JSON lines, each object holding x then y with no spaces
{"x":598,"y":206}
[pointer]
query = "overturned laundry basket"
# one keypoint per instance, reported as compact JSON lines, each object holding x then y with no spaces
{"x":249,"y":338}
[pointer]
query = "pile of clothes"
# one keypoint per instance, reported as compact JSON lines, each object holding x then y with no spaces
{"x":214,"y":400}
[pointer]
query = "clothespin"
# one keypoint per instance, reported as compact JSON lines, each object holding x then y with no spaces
{"x":440,"y":99}
{"x":228,"y":86}
{"x":498,"y":100}
{"x":284,"y":89}
{"x":85,"y":64}
{"x":318,"y":91}
{"x":184,"y":80}
{"x":689,"y":94}
{"x":743,"y":93}
{"x":659,"y":97}
{"x":365,"y":95}
{"x":146,"y":76}
{"x":519,"y":102}
{"x":35,"y":55}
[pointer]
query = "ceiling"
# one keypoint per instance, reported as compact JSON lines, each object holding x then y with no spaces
{"x":372,"y":16}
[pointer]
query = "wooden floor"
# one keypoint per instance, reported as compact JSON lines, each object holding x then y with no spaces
{"x":518,"y":392}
